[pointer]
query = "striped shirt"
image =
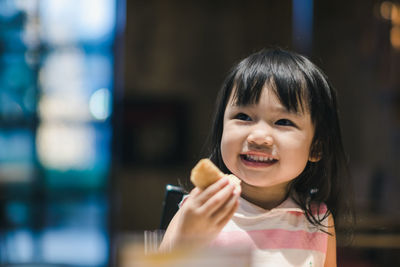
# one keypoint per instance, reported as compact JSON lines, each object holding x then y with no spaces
{"x":278,"y":237}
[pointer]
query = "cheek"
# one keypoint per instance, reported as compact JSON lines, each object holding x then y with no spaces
{"x":298,"y":145}
{"x":229,"y":145}
{"x":225,"y":145}
{"x":301,"y":149}
{"x":295,"y":147}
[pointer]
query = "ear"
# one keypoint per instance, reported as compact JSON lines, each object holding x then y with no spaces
{"x":314,"y":158}
{"x":315,"y":152}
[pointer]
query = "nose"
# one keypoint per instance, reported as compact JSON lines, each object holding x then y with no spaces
{"x":260,"y":135}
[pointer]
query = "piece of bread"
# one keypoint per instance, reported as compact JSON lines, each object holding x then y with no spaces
{"x":206,"y":173}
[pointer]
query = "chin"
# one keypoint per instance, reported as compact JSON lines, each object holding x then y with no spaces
{"x":263,"y":182}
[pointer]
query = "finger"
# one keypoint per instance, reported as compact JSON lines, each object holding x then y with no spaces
{"x":210,"y":191}
{"x":225,"y":219}
{"x":225,"y":209}
{"x":192,"y":196}
{"x":195,"y":191}
{"x":218,"y":200}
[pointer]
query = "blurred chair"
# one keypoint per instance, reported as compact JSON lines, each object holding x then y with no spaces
{"x":173,"y":196}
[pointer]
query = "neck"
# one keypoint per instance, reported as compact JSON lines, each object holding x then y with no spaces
{"x":265,"y":197}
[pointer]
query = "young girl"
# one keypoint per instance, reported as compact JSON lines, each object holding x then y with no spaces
{"x":277,"y":129}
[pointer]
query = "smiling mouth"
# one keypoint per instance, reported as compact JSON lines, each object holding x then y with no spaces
{"x":257,"y":159}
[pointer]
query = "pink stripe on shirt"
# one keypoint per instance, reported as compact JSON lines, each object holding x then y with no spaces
{"x":274,"y":239}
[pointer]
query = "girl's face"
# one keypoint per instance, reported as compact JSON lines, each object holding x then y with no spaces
{"x":264,"y":144}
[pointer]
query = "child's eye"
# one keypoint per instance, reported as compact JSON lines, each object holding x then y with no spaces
{"x":242,"y":117}
{"x":285,"y":122}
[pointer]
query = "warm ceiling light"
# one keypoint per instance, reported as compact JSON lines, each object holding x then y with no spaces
{"x":386,"y":10}
{"x":395,"y":14}
{"x":395,"y":37}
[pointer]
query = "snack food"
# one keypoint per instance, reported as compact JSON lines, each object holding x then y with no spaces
{"x":206,"y":173}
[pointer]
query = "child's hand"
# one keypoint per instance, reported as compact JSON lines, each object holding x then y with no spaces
{"x":203,"y":215}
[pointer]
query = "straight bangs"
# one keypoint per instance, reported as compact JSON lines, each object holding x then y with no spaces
{"x":267,"y":71}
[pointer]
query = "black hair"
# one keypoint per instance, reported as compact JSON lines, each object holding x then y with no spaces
{"x":298,"y":84}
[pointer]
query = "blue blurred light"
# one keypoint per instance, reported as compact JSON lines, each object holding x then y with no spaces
{"x":302,"y":23}
{"x":17,"y":213}
{"x":72,"y":21}
{"x":16,"y":146}
{"x":99,"y":70}
{"x":16,"y":156}
{"x":100,"y":104}
{"x":81,"y":34}
{"x":10,"y":106}
{"x":19,"y":246}
{"x":8,"y":8}
{"x":87,"y":247}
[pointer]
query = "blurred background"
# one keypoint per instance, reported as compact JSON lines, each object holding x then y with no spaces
{"x":104,"y":102}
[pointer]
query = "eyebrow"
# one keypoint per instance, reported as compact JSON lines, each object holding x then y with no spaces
{"x":282,"y":109}
{"x":277,"y":109}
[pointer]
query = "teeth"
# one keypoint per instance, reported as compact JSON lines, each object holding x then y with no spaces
{"x":258,"y":158}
